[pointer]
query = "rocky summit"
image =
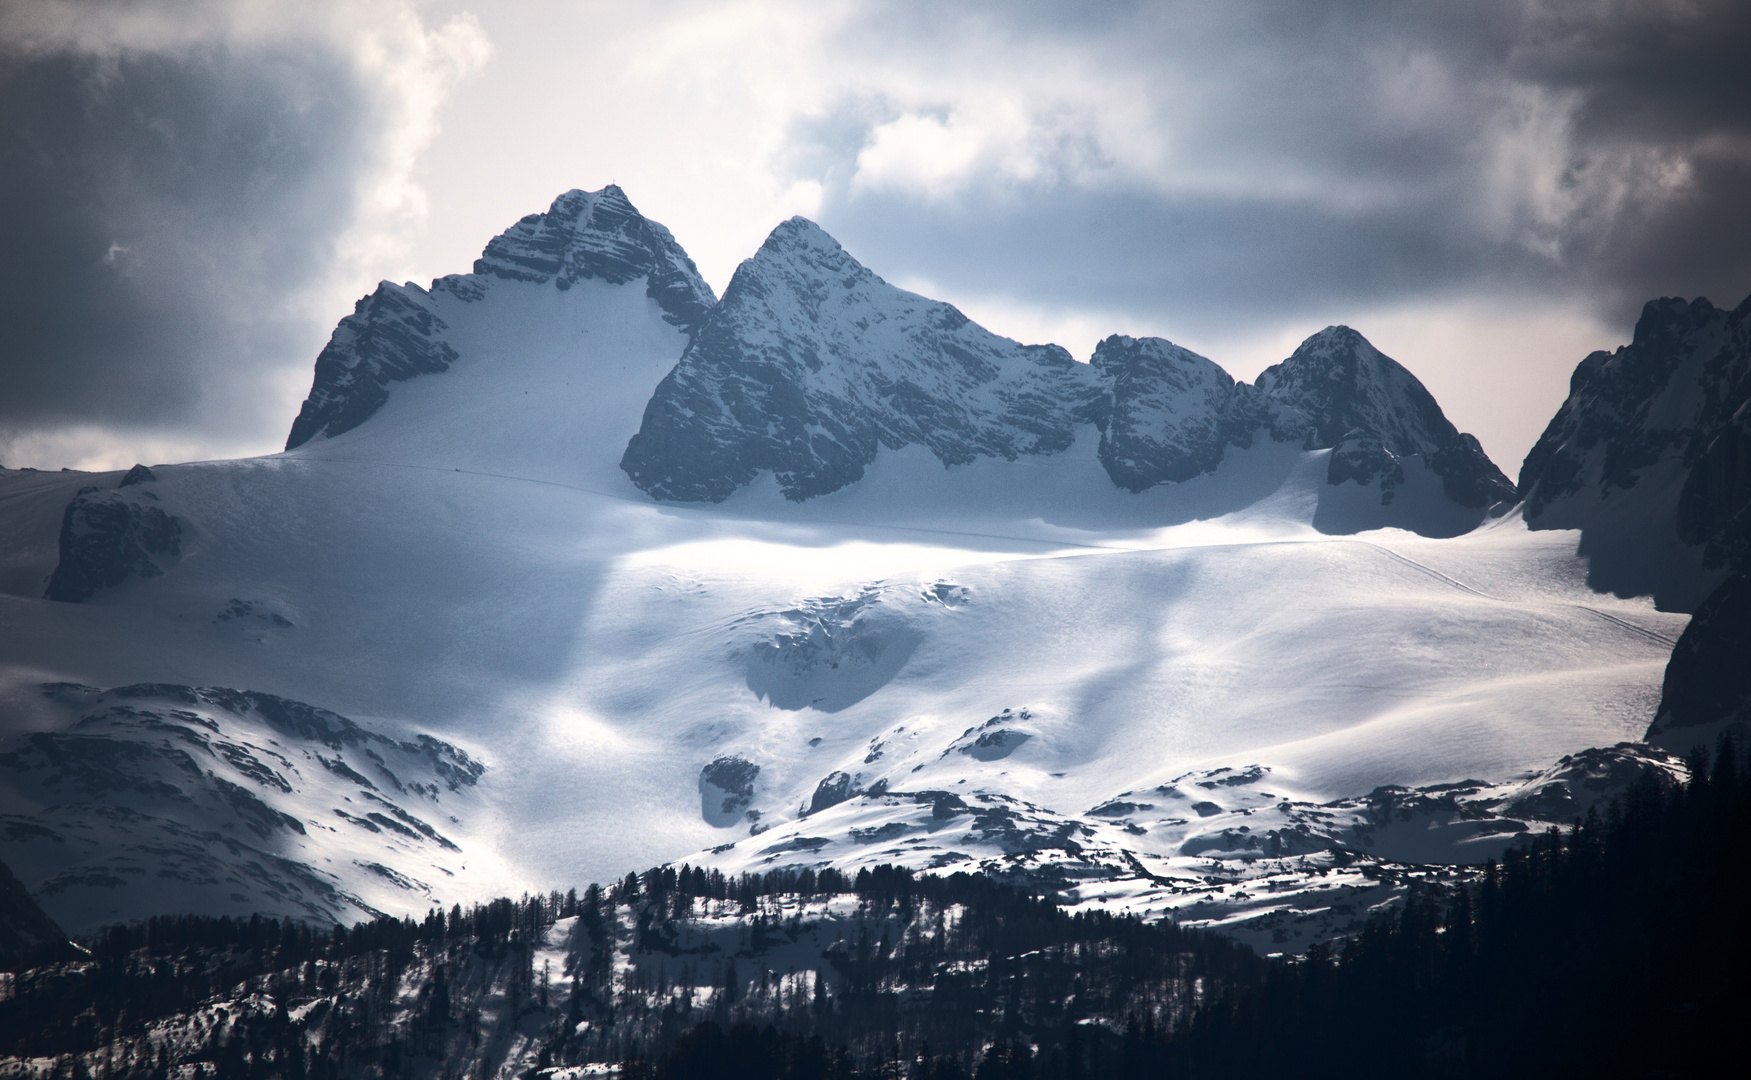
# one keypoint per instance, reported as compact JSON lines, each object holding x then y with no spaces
{"x":1168,"y":412}
{"x":396,"y":333}
{"x":1343,"y":393}
{"x":812,"y":362}
{"x":1650,"y":455}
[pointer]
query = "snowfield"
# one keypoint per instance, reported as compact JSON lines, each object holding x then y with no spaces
{"x":471,"y":565}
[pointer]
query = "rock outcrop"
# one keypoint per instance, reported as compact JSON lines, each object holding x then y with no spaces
{"x":391,"y":336}
{"x":1650,"y":455}
{"x":396,"y":333}
{"x":1167,"y":415}
{"x":1708,"y":679}
{"x":108,"y":537}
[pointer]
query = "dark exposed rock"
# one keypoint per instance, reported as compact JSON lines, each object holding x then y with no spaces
{"x":139,"y":474}
{"x":810,"y":363}
{"x":1336,"y":386}
{"x":396,"y":334}
{"x":994,"y":745}
{"x":1363,"y":459}
{"x":1652,"y":445}
{"x":1714,"y":506}
{"x":1166,"y":412}
{"x":1708,"y":679}
{"x":726,"y":787}
{"x":833,"y":789}
{"x":108,"y":537}
{"x":391,"y":336}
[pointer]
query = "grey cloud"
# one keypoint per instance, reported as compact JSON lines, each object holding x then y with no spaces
{"x":162,"y":212}
{"x":1380,"y":150}
{"x":1200,"y":263}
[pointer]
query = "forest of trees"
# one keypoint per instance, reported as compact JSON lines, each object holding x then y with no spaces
{"x":1615,"y":948}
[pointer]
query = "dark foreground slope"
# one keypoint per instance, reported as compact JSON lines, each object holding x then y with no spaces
{"x":1615,"y":949}
{"x":887,"y":967}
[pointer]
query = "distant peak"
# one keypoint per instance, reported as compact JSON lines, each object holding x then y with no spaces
{"x":396,"y":334}
{"x":1335,"y":338}
{"x":798,"y":233}
{"x":598,"y":234}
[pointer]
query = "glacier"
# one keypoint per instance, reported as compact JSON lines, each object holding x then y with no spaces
{"x":968,"y":637}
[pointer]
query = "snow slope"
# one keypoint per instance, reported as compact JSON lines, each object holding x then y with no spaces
{"x":646,"y":681}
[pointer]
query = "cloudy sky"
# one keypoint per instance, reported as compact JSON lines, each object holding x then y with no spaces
{"x":192,"y":192}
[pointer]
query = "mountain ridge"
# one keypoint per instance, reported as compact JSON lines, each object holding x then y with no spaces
{"x":811,"y":363}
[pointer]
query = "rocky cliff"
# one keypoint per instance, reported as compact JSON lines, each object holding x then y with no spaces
{"x":1650,"y":455}
{"x":811,"y":362}
{"x":396,"y":333}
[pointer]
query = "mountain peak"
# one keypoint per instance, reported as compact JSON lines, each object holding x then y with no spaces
{"x":1337,"y":387}
{"x":396,"y":333}
{"x":591,"y":234}
{"x":1339,"y":381}
{"x":812,"y":362}
{"x":796,"y":249}
{"x":799,"y":231}
{"x":1649,"y":453}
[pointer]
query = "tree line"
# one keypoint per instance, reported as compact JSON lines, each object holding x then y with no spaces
{"x":1614,"y":947}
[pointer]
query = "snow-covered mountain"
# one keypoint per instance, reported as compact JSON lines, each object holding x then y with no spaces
{"x":874,"y":585}
{"x":812,"y":365}
{"x":208,"y":800}
{"x":1650,"y":456}
{"x":398,"y":333}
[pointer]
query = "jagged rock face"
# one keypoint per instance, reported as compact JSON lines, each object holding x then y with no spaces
{"x":391,"y":336}
{"x":217,"y":800}
{"x":1170,"y":415}
{"x":1708,"y":679}
{"x":1714,"y":506}
{"x":599,"y":234}
{"x":1167,"y":411}
{"x":108,"y":537}
{"x":396,"y":334}
{"x":811,"y":362}
{"x":1364,"y":459}
{"x":1653,"y":445}
{"x":1339,"y":391}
